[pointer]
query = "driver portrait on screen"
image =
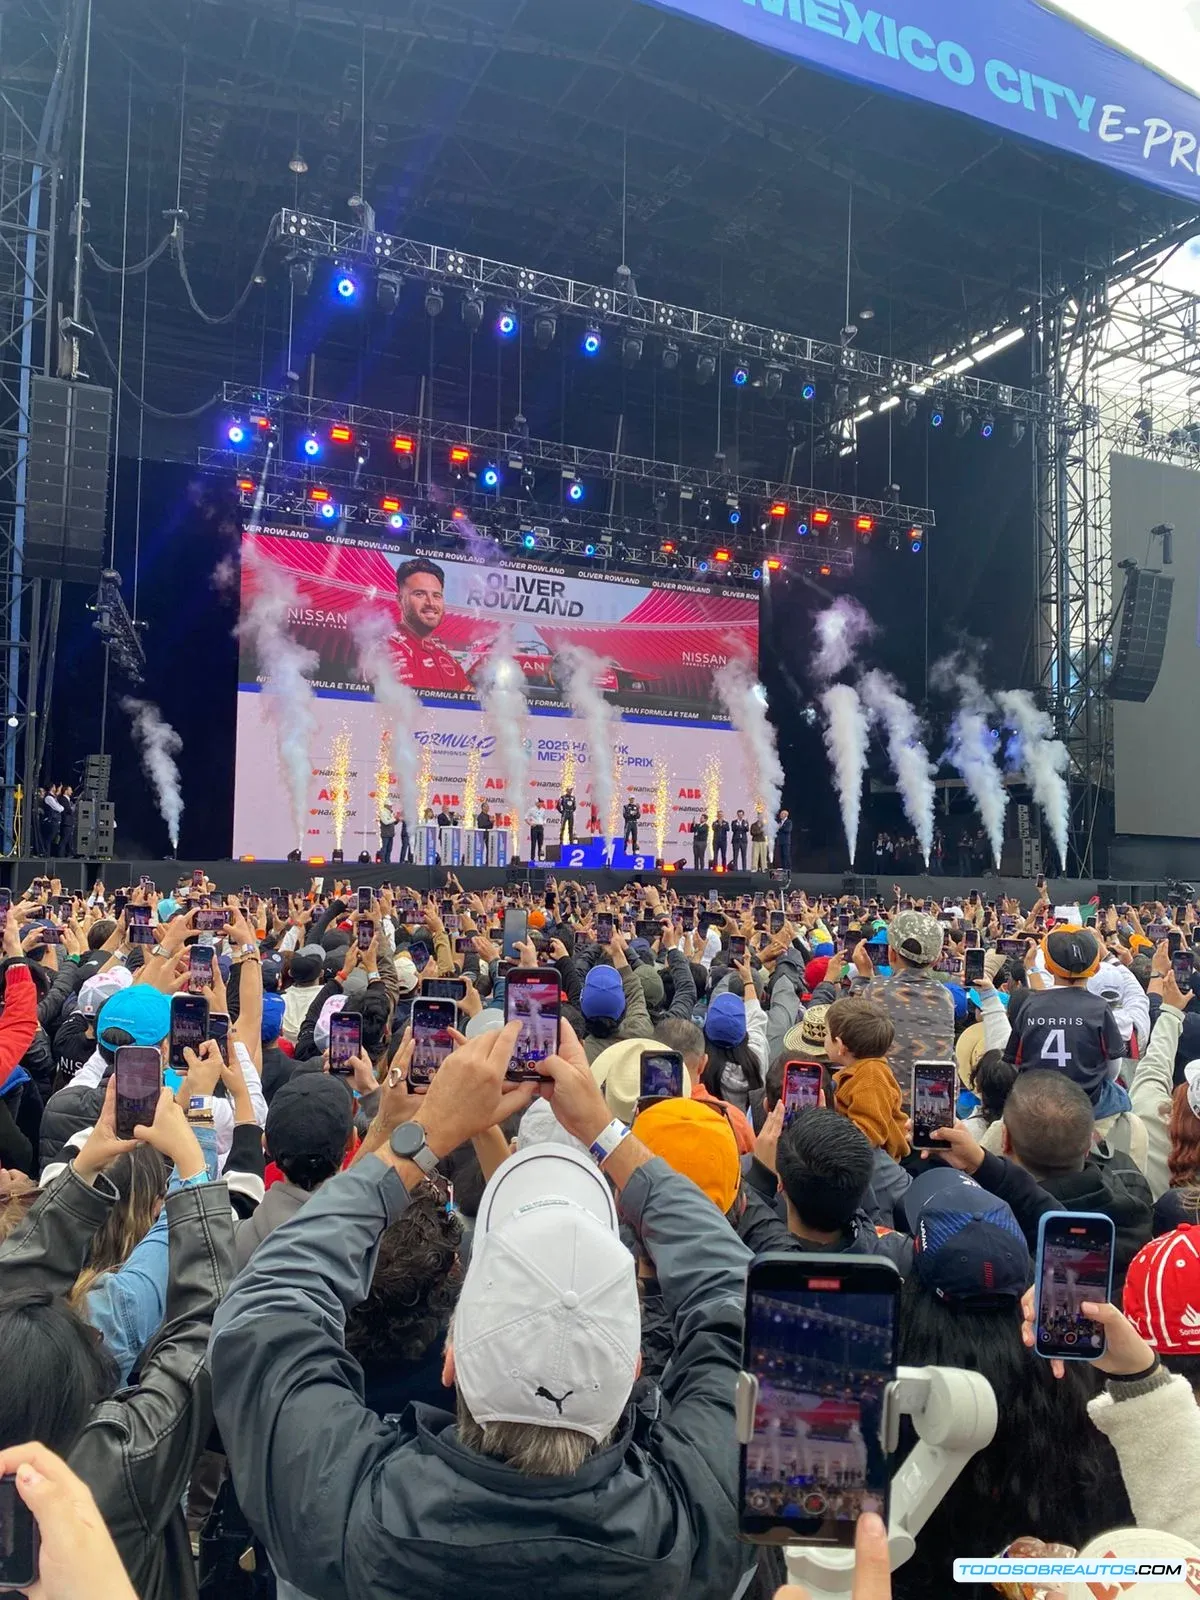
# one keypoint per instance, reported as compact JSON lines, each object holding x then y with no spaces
{"x":420,"y":661}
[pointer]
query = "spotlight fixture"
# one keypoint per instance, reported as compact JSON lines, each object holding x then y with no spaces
{"x":723,"y":556}
{"x":403,"y":445}
{"x":396,"y":521}
{"x":435,"y":301}
{"x":545,"y":328}
{"x":328,"y":510}
{"x":489,"y":478}
{"x":735,"y":516}
{"x":631,"y":349}
{"x":1016,"y":432}
{"x":865,"y":528}
{"x":822,"y":517}
{"x":936,"y":417}
{"x":802,"y":530}
{"x":841,"y":394}
{"x":529,"y":541}
{"x":772,"y":382}
{"x":963,"y":422}
{"x":341,"y":434}
{"x":987,"y":425}
{"x":311,"y":447}
{"x":506,"y":322}
{"x":916,"y":538}
{"x":346,"y":287}
{"x":809,"y":391}
{"x":236,"y":433}
{"x":592,"y":340}
{"x":575,"y":491}
{"x":670,"y":356}
{"x":387,"y":291}
{"x":589,"y":549}
{"x":300,"y":271}
{"x":297,"y":164}
{"x":893,"y":541}
{"x":706,"y":366}
{"x":741,"y":376}
{"x":908,"y":410}
{"x":472,"y":310}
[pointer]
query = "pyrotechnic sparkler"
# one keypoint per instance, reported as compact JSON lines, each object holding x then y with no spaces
{"x":339,"y":782}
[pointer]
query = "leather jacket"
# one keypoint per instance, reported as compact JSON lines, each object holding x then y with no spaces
{"x":137,"y":1449}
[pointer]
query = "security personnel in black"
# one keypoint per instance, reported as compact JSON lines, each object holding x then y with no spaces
{"x":631,"y":814}
{"x":740,"y":829}
{"x":566,"y":810}
{"x":720,"y":840}
{"x":699,"y":840}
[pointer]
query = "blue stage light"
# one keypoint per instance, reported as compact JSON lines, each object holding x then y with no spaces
{"x":346,"y":286}
{"x":735,"y":517}
{"x":702,"y":566}
{"x":802,"y":529}
{"x":757,"y":573}
{"x":529,"y":542}
{"x":809,"y":392}
{"x":236,"y":433}
{"x":741,"y":376}
{"x":490,"y":478}
{"x":915,"y":546}
{"x":329,"y":510}
{"x":592,"y":342}
{"x":575,"y":491}
{"x":936,"y":417}
{"x":506,"y":323}
{"x":589,"y":549}
{"x":987,"y":427}
{"x":312,"y":447}
{"x":396,"y":521}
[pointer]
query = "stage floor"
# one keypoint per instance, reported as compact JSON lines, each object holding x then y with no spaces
{"x":261,"y":876}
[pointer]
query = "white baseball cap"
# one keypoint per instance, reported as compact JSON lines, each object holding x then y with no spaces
{"x":548,"y":1329}
{"x":96,"y":990}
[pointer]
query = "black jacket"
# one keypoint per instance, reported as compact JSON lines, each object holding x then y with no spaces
{"x":739,"y":831}
{"x":761,"y":1229}
{"x":66,"y":1112}
{"x":720,"y":833}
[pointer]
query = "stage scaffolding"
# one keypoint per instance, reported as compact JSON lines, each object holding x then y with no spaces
{"x":1121,"y":363}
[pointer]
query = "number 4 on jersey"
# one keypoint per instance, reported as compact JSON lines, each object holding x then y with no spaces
{"x":1055,"y":1049}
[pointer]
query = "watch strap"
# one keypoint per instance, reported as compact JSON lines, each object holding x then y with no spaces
{"x":607,"y":1140}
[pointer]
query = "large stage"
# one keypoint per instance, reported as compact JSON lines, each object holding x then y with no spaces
{"x":296,"y":877}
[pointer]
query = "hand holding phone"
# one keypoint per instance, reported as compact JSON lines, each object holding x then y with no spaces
{"x":1074,"y":1264}
{"x":932,"y":1101}
{"x":345,"y":1040}
{"x":660,"y":1076}
{"x":801,"y":1087}
{"x":139,"y":1079}
{"x":431,"y":1022}
{"x":531,"y":996}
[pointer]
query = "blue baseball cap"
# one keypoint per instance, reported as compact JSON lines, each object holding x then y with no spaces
{"x":272,"y":1017}
{"x":141,"y":1011}
{"x":823,"y":948}
{"x":603,"y":994}
{"x":725,"y":1019}
{"x":967,"y":1244}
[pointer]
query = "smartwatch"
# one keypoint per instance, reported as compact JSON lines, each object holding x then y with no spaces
{"x":408,"y":1142}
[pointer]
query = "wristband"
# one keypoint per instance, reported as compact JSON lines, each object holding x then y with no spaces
{"x":607,"y":1140}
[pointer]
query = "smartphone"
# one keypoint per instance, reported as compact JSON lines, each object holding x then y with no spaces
{"x":851,"y":940}
{"x":949,"y":964}
{"x":714,"y":897}
{"x":345,"y":1040}
{"x":452,"y":921}
{"x":408,"y":910}
{"x":531,"y":996}
{"x":970,"y":938}
{"x":364,"y":901}
{"x":1174,"y":941}
{"x":777,"y":920}
{"x":932,"y":1101}
{"x":687,"y":921}
{"x":1158,"y":931}
{"x":431,"y":1023}
{"x":760,"y":918}
{"x":140,"y":931}
{"x":20,"y":1541}
{"x":801,"y":1087}
{"x":139,"y":1079}
{"x":209,"y":921}
{"x":419,"y":954}
{"x":661,"y":1075}
{"x":604,"y":927}
{"x":516,"y":930}
{"x":277,"y":894}
{"x":877,"y":954}
{"x":200,"y":967}
{"x":463,"y":944}
{"x":189,"y":1026}
{"x":5,"y":897}
{"x":218,"y":1032}
{"x":1183,"y":967}
{"x":973,"y":965}
{"x":646,"y":928}
{"x":737,"y":946}
{"x":364,"y":932}
{"x":119,"y":901}
{"x":197,"y":877}
{"x":1074,"y":1263}
{"x":51,"y":934}
{"x":444,"y":989}
{"x":1011,"y":947}
{"x":819,"y":1351}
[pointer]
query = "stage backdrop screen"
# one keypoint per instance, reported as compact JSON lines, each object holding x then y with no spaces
{"x":661,"y":640}
{"x":1156,"y":758}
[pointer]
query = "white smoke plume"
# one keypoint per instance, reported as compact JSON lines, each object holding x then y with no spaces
{"x":502,"y":695}
{"x":840,"y":629}
{"x":745,"y":701}
{"x":284,"y":664}
{"x":396,"y":701}
{"x":847,"y":734}
{"x":906,"y":751}
{"x":581,"y":668}
{"x":1043,"y":759}
{"x":158,"y":745}
{"x":971,"y":748}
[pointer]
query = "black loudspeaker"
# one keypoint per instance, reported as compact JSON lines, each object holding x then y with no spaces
{"x":66,"y":498}
{"x":96,"y":773}
{"x":1139,"y":653}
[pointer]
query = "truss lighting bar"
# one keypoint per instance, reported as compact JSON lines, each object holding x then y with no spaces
{"x":466,"y":444}
{"x":325,"y":238}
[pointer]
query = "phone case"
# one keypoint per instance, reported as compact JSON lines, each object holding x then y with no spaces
{"x":1044,"y":1220}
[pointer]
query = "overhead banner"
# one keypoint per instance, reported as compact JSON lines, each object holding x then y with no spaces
{"x":1011,"y":63}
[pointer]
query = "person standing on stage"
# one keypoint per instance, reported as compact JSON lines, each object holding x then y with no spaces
{"x":484,"y":818}
{"x":67,"y":833}
{"x":699,"y":840}
{"x":565,"y":806}
{"x":52,"y":811}
{"x":758,"y":842}
{"x":740,"y":832}
{"x":406,"y":853}
{"x":631,"y":815}
{"x":420,"y":661}
{"x":720,"y":840}
{"x":387,"y":831}
{"x":537,"y":832}
{"x":783,"y":841}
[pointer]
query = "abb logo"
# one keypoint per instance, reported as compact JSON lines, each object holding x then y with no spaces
{"x":445,"y":800}
{"x":690,"y":794}
{"x":494,"y":783}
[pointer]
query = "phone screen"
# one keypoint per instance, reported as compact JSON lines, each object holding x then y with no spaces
{"x":210,"y":921}
{"x":1074,"y":1264}
{"x":531,"y":997}
{"x":970,"y":938}
{"x":1182,"y":967}
{"x":364,"y":901}
{"x":364,"y":930}
{"x":139,"y":1079}
{"x":820,"y":1339}
{"x":345,"y":1040}
{"x":760,"y":918}
{"x":646,"y":928}
{"x":516,"y":930}
{"x":604,"y":927}
{"x":661,"y":1075}
{"x":419,"y":955}
{"x":1158,"y":931}
{"x":1011,"y":947}
{"x":932,"y":1101}
{"x":140,"y":931}
{"x":431,"y":1023}
{"x":444,"y":989}
{"x":200,"y":967}
{"x":777,"y":921}
{"x":5,"y":897}
{"x":737,"y":946}
{"x":973,"y":965}
{"x":51,"y":934}
{"x":19,"y":1538}
{"x":218,"y":1032}
{"x":189,"y":1026}
{"x":801,"y":1087}
{"x":877,"y":953}
{"x":197,"y":877}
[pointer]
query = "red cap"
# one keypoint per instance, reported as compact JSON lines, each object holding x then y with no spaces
{"x":1162,"y":1292}
{"x":815,"y":970}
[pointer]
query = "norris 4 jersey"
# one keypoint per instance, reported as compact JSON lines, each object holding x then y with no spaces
{"x":1066,"y":1030}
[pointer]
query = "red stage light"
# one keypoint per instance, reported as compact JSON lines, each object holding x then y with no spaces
{"x":458,"y":514}
{"x":779,"y":509}
{"x":261,"y":422}
{"x":388,"y":504}
{"x":722,"y":555}
{"x":864,"y":524}
{"x":667,"y":548}
{"x":773,"y":563}
{"x":459,"y":455}
{"x":821,"y":518}
{"x":246,"y":485}
{"x":341,"y":434}
{"x":403,"y":445}
{"x":318,"y":494}
{"x":825,"y":571}
{"x":914,"y":533}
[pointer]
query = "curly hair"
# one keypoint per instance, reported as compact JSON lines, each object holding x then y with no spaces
{"x":1183,"y":1130}
{"x":415,"y":1287}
